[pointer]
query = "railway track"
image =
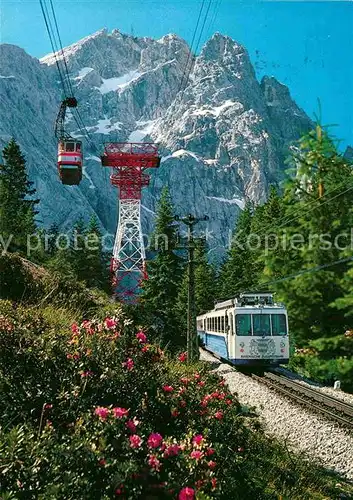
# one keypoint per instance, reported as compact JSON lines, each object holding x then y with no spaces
{"x":328,"y":406}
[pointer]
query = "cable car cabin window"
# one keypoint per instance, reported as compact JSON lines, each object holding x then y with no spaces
{"x":279,"y":324}
{"x":222,"y":324}
{"x":261,"y":324}
{"x":78,"y":146}
{"x":243,"y":324}
{"x":70,"y":146}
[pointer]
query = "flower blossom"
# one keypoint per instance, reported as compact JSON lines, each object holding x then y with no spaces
{"x":154,"y":440}
{"x":154,"y":463}
{"x":183,"y":357}
{"x":167,"y":388}
{"x":186,"y":494}
{"x":218,"y":415}
{"x":88,"y":373}
{"x":102,"y":412}
{"x":75,"y":328}
{"x":128,"y":364}
{"x":132,"y":425}
{"x":214,"y":483}
{"x":135,"y":441}
{"x":185,"y":380}
{"x":196,"y":454}
{"x":197,"y":440}
{"x":141,"y":337}
{"x":110,"y":323}
{"x":171,"y":451}
{"x":211,"y":464}
{"x":120,"y":412}
{"x":210,"y":451}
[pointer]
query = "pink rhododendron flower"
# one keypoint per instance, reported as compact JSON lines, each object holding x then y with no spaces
{"x":75,"y":328}
{"x":174,"y":413}
{"x":214,"y":483}
{"x":102,"y":412}
{"x":218,"y":415}
{"x":48,"y":406}
{"x":154,"y":463}
{"x":187,"y":494}
{"x":141,"y":337}
{"x":201,"y":383}
{"x":110,"y":323}
{"x":154,"y":440}
{"x":102,"y":462}
{"x":197,"y":376}
{"x":135,"y":441}
{"x":172,"y":450}
{"x":88,"y":373}
{"x":145,"y":348}
{"x":211,"y":464}
{"x":222,"y":382}
{"x":120,"y":490}
{"x":185,"y":380}
{"x":120,"y":412}
{"x":197,"y":440}
{"x":183,"y":357}
{"x":210,"y":451}
{"x":229,"y":401}
{"x":182,"y":403}
{"x":240,"y":449}
{"x":196,"y":454}
{"x":129,"y":364}
{"x":167,"y":388}
{"x":130,"y":424}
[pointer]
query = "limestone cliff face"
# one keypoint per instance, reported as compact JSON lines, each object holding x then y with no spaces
{"x":223,"y":135}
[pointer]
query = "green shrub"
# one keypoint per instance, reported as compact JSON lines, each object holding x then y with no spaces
{"x":98,"y":412}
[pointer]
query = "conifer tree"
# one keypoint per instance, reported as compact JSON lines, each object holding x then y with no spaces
{"x":237,"y":273}
{"x":17,"y":206}
{"x":317,"y":209}
{"x":97,"y":261}
{"x":160,"y":291}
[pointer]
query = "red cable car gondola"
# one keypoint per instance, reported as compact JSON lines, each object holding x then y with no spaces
{"x":69,"y":149}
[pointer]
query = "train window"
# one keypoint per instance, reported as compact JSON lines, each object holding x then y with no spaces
{"x":279,"y":324}
{"x":261,"y":324}
{"x":243,"y":324}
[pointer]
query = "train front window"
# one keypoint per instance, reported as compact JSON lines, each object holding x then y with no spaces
{"x":243,"y":324}
{"x":279,"y":324}
{"x":261,"y":324}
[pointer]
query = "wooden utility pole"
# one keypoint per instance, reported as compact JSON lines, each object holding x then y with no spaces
{"x":192,"y":339}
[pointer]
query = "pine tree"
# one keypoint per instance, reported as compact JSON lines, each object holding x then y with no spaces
{"x":97,"y":274}
{"x":160,"y":291}
{"x":237,"y":273}
{"x":17,"y":206}
{"x":317,"y":208}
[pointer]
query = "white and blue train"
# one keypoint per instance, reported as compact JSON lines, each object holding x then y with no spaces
{"x":250,"y":330}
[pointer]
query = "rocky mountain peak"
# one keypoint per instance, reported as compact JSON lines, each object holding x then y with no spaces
{"x":222,"y":135}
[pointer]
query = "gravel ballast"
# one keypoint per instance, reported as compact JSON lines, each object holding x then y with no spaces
{"x":301,"y":429}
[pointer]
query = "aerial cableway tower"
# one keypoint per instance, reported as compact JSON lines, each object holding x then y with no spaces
{"x":129,"y":162}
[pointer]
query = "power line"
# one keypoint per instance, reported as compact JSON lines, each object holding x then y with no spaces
{"x":306,"y":271}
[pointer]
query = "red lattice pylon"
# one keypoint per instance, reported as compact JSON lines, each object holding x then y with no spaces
{"x":129,"y":162}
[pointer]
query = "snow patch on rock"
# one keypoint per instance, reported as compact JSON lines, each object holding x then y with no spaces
{"x":118,"y":83}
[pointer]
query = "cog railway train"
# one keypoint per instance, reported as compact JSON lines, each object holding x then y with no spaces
{"x":250,"y":331}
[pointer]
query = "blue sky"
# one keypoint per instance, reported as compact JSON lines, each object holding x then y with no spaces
{"x":306,"y":45}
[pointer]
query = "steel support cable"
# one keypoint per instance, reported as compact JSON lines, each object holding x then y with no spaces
{"x":214,"y":17}
{"x":196,"y":49}
{"x":48,"y":26}
{"x":61,"y":48}
{"x":191,"y":46}
{"x":77,"y":119}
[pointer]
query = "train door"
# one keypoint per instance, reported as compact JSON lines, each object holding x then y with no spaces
{"x":231,"y":334}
